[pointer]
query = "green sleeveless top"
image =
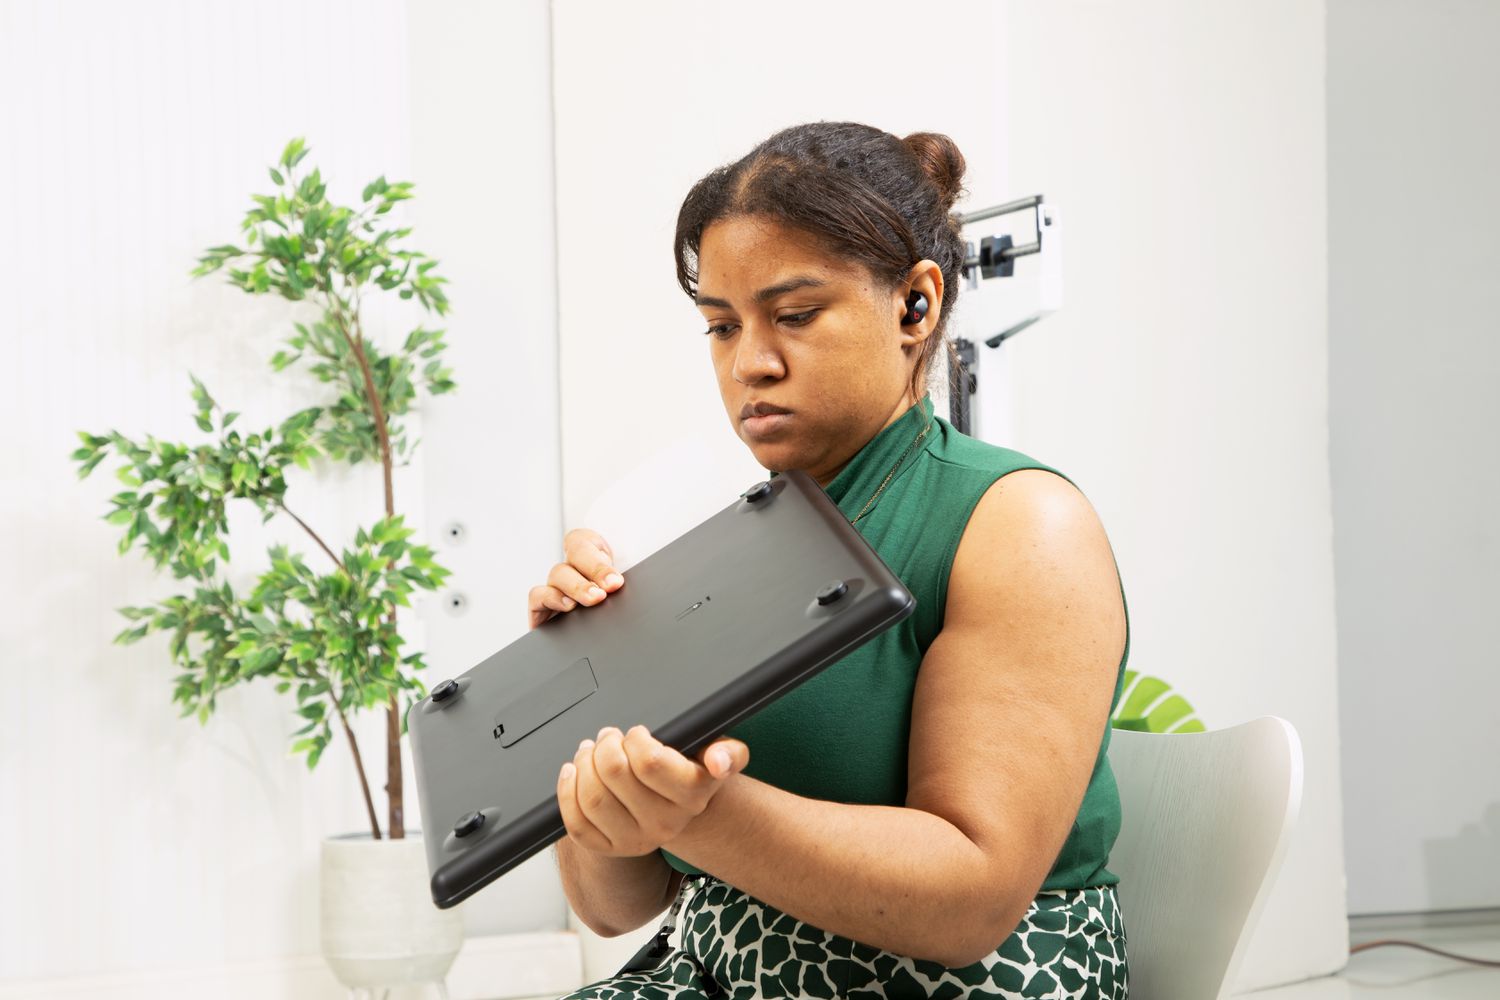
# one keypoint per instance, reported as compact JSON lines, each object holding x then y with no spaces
{"x":809,"y":743}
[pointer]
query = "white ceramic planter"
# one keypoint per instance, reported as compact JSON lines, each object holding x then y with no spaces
{"x":379,"y":924}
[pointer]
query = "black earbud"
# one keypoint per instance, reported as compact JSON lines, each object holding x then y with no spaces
{"x":916,"y":308}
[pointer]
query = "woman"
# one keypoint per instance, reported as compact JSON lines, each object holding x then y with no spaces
{"x":930,"y":816}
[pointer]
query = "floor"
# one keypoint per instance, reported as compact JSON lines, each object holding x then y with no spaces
{"x":1406,"y":973}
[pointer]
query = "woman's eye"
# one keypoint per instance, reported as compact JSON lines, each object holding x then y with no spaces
{"x":723,"y":330}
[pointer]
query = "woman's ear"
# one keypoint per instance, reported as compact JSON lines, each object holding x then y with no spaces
{"x":925,"y":277}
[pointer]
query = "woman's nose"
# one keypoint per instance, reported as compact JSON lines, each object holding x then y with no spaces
{"x":755,"y":356}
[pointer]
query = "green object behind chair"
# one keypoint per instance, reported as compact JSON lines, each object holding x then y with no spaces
{"x":1170,"y":714}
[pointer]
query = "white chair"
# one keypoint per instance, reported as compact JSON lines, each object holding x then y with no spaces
{"x":1205,"y":821}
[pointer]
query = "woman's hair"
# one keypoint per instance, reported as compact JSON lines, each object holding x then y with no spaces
{"x":861,"y":193}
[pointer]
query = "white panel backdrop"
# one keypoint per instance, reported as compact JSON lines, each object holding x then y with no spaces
{"x":1183,"y":385}
{"x":482,"y":146}
{"x":1185,"y":379}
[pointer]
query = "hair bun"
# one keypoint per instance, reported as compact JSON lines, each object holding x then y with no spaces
{"x":941,"y":162}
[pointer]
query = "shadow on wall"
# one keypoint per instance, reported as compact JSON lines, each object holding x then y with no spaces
{"x":1452,"y":861}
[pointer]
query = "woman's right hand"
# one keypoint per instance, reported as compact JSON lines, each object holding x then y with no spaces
{"x":585,"y":576}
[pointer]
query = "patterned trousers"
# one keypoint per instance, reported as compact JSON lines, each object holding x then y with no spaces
{"x":1069,"y":946}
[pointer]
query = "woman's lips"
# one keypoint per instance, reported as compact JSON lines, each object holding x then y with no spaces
{"x":766,"y":425}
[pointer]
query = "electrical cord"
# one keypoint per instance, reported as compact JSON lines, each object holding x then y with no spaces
{"x":1422,"y":947}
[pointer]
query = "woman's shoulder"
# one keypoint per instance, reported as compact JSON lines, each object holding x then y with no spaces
{"x":1030,"y":533}
{"x":1008,"y":497}
{"x":956,"y":454}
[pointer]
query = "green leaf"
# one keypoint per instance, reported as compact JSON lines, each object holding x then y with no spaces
{"x":263,"y":660}
{"x":293,"y":149}
{"x":1148,"y":704}
{"x":130,"y":635}
{"x":276,"y":176}
{"x":88,"y":466}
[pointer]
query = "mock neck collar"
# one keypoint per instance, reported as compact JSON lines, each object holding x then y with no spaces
{"x":862,"y":476}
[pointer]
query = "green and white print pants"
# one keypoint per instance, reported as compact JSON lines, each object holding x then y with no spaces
{"x":1069,"y":946}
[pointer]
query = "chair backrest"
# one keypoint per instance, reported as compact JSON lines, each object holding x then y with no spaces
{"x":1205,"y":820}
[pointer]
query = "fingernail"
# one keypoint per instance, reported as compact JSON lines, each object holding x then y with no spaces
{"x":585,"y":744}
{"x":567,"y":770}
{"x":613,"y":580}
{"x":722,"y":759}
{"x":568,"y":603}
{"x":595,"y":593}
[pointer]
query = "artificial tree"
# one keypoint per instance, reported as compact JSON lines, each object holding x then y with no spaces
{"x":332,"y":635}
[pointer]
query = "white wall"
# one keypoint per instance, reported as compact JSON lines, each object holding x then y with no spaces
{"x":1183,"y":384}
{"x":482,"y":148}
{"x":1415,"y":357}
{"x":131,"y":137}
{"x":635,"y":128}
{"x":1185,"y":379}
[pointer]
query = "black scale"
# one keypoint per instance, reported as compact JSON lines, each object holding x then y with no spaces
{"x":733,"y":614}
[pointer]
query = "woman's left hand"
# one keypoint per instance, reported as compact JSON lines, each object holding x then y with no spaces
{"x":627,"y":794}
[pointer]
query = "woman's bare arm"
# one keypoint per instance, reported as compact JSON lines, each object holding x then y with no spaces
{"x":614,"y":896}
{"x":1011,"y":705}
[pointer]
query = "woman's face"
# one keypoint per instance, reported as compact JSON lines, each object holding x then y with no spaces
{"x":815,"y":336}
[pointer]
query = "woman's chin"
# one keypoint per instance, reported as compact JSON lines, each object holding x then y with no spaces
{"x":773,"y":456}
